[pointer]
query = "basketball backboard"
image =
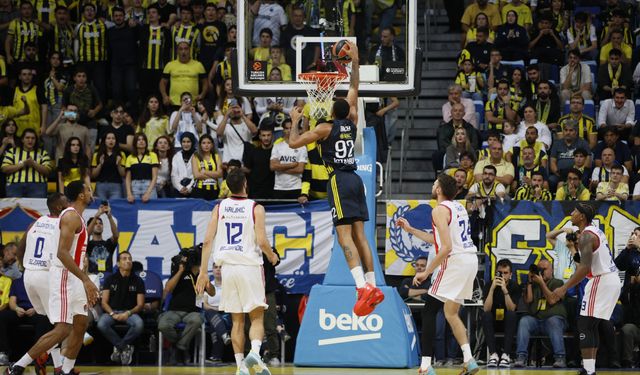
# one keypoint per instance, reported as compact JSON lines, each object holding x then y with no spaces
{"x":389,"y":78}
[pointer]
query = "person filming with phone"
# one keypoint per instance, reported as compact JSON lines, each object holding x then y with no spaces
{"x":500,"y":302}
{"x":100,"y":251}
{"x":185,"y":119}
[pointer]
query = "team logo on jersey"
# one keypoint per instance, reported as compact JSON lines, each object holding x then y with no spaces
{"x":211,"y":34}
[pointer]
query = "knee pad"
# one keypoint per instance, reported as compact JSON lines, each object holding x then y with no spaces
{"x":588,"y":331}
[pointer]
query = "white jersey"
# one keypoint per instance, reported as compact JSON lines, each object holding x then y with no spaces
{"x":459,"y":229}
{"x":602,"y":260}
{"x":42,"y":243}
{"x":79,"y":244}
{"x":235,"y":241}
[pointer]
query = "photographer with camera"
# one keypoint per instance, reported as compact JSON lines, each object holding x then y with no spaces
{"x":546,"y":314}
{"x":185,"y":268}
{"x":100,"y":251}
{"x":500,"y":303}
{"x":629,"y":260}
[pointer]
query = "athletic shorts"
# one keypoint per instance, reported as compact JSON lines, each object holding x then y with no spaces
{"x":242,"y":288}
{"x":67,"y":297}
{"x":600,"y":296}
{"x":36,"y":283}
{"x":347,"y":199}
{"x":454,"y":280}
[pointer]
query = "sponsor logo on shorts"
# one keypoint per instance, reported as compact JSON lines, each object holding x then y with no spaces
{"x":364,"y":328}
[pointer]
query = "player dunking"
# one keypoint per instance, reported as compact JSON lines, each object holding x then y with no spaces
{"x":336,"y":142}
{"x":456,"y":257}
{"x":238,"y":237}
{"x":603,"y":289}
{"x":68,"y":293}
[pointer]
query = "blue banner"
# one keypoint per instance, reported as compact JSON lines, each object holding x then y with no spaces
{"x":155,"y":231}
{"x":519,"y":230}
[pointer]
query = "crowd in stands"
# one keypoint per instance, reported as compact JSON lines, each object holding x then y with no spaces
{"x":542,"y":103}
{"x":137,"y":96}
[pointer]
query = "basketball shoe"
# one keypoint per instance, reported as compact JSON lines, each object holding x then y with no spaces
{"x":368,"y":298}
{"x":253,"y":360}
{"x":470,"y":367}
{"x":41,"y":364}
{"x":13,"y":370}
{"x":428,"y":371}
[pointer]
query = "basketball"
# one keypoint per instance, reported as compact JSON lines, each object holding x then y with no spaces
{"x":340,"y":51}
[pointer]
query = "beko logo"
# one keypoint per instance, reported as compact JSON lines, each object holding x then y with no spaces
{"x":369,"y":325}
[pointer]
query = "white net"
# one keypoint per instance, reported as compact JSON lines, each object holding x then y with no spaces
{"x":320,"y":88}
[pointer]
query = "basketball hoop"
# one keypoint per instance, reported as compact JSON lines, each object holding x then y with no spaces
{"x":320,"y":87}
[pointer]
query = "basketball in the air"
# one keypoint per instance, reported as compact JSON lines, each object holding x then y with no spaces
{"x":340,"y":51}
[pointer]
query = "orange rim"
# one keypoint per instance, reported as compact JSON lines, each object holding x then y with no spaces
{"x":323,"y":79}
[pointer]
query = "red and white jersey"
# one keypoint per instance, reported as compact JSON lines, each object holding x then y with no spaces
{"x":235,"y":241}
{"x":42,"y":243}
{"x":79,"y":244}
{"x":459,"y":229}
{"x":602,"y":260}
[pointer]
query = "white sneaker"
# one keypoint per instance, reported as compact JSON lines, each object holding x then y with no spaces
{"x":274,"y":362}
{"x":4,"y":359}
{"x":493,"y":360}
{"x":253,"y":360}
{"x":115,"y":356}
{"x":505,"y":361}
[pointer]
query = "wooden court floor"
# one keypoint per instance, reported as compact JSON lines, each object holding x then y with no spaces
{"x":290,"y":370}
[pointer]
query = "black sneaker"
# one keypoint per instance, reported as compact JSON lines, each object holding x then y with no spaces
{"x":584,"y":372}
{"x":14,"y":370}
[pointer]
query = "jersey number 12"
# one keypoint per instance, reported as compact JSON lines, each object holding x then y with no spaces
{"x":234,"y":233}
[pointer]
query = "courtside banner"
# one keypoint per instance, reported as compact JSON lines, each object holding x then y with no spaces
{"x":519,"y":230}
{"x":402,"y":248}
{"x":155,"y":231}
{"x":335,"y":337}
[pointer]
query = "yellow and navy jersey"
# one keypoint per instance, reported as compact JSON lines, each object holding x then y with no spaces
{"x":185,"y":33}
{"x":45,"y":10}
{"x":35,"y":97}
{"x":91,"y":41}
{"x":488,"y":193}
{"x":462,"y":79}
{"x":154,"y":42}
{"x":52,"y":95}
{"x":22,"y":31}
{"x":517,"y":98}
{"x":141,"y":167}
{"x":7,"y":113}
{"x":627,"y":36}
{"x":210,"y":164}
{"x":527,"y":193}
{"x":28,"y":174}
{"x":61,"y":40}
{"x":498,"y":109}
{"x":538,"y":149}
{"x":522,"y":172}
{"x":315,"y":175}
{"x":483,"y":153}
{"x":586,"y":125}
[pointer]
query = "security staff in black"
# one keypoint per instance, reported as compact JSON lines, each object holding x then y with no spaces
{"x":336,"y":140}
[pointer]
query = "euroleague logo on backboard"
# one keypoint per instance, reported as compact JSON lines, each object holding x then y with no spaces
{"x":367,"y":327}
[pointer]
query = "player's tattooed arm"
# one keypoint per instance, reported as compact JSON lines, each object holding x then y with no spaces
{"x":586,"y":245}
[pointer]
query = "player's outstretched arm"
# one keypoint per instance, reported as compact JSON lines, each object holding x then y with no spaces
{"x":440,"y":217}
{"x":296,"y":139}
{"x":424,"y":236}
{"x":210,"y":235}
{"x":586,"y":245}
{"x":69,"y":225}
{"x":354,"y":82}
{"x":261,"y":234}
